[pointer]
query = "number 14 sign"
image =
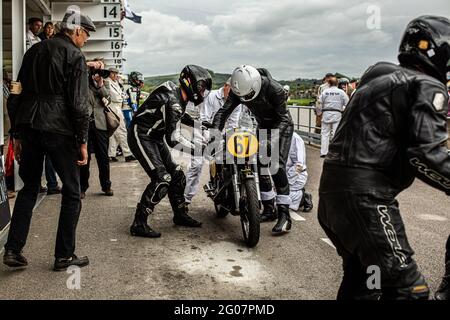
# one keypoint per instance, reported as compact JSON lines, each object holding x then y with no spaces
{"x":103,"y":12}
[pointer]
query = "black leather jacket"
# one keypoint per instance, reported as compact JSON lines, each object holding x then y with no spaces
{"x":269,"y":107}
{"x":161,"y":115}
{"x":395,"y":124}
{"x":54,"y":78}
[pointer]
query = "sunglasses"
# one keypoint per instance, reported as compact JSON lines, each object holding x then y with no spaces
{"x":87,"y":32}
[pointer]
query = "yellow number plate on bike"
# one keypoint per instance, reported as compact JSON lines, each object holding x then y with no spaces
{"x":242,"y":144}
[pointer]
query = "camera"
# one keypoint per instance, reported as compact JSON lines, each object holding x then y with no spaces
{"x":101,"y":72}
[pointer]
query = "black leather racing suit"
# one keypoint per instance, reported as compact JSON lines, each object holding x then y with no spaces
{"x":159,"y":117}
{"x":393,"y":130}
{"x":271,"y":112}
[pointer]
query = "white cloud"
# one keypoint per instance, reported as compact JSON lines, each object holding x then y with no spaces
{"x":163,"y":33}
{"x":293,"y":38}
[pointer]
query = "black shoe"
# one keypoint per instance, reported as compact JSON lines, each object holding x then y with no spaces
{"x":130,"y":159}
{"x":43,"y":189}
{"x":307,"y":202}
{"x":61,"y":264}
{"x":323,"y":156}
{"x":113,"y":159}
{"x":143,"y":231}
{"x":181,"y":218}
{"x":57,"y":190}
{"x":269,"y":213}
{"x":14,"y":259}
{"x":443,"y":293}
{"x":108,"y":192}
{"x":284,"y":223}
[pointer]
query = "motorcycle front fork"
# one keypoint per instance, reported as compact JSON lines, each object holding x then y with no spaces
{"x":236,"y":188}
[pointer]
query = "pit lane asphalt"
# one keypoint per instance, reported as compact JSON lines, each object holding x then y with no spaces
{"x":207,"y":263}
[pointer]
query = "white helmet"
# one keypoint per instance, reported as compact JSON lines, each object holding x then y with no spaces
{"x":287,"y":88}
{"x":246,"y":83}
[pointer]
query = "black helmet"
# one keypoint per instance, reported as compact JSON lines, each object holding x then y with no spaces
{"x":427,"y":43}
{"x":135,"y":79}
{"x":196,"y":82}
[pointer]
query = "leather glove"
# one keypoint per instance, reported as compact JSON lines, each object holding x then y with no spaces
{"x":207,"y":124}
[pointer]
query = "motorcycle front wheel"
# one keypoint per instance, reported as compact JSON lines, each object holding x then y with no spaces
{"x":250,"y":219}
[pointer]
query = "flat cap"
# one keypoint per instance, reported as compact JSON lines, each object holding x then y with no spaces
{"x":73,"y":19}
{"x":115,"y":70}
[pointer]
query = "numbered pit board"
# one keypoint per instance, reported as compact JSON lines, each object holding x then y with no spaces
{"x":107,"y":41}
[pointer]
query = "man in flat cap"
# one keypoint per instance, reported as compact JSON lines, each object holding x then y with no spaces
{"x":51,"y":118}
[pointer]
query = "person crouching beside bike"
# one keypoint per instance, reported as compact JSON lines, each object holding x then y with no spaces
{"x":266,"y":99}
{"x":159,"y":117}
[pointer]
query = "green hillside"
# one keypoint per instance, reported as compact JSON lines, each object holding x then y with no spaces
{"x":220,"y":78}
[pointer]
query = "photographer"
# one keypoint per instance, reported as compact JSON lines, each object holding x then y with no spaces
{"x":98,"y":142}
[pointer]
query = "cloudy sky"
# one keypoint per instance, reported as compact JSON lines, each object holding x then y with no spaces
{"x":292,"y":38}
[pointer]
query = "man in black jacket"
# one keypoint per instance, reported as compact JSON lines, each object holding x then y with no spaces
{"x":266,"y":99}
{"x":393,"y":130}
{"x":50,"y":117}
{"x":159,"y":119}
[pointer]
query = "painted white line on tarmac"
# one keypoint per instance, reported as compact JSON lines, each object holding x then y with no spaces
{"x":295,"y":216}
{"x":432,"y":217}
{"x":328,"y":241}
{"x":40,"y":198}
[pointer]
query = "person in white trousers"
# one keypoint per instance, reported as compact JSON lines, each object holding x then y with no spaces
{"x":208,"y":109}
{"x":120,"y":135}
{"x":332,"y":101}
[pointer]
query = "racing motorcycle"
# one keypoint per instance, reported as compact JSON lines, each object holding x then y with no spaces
{"x":234,"y":181}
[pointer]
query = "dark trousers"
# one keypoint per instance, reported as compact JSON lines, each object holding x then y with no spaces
{"x":64,"y":154}
{"x":99,"y":144}
{"x":166,"y":177}
{"x":359,"y":213}
{"x":50,"y":174}
{"x":280,"y":180}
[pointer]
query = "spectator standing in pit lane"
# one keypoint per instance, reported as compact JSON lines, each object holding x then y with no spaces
{"x":332,"y":101}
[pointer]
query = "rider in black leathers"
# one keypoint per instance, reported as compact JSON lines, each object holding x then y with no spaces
{"x":159,"y":119}
{"x":267,"y":102}
{"x":393,"y":130}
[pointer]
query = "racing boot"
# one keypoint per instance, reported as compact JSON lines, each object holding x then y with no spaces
{"x":140,"y":228}
{"x":419,"y":290}
{"x":443,"y":293}
{"x":269,"y":213}
{"x":284,"y":223}
{"x":307,"y":203}
{"x":181,"y":218}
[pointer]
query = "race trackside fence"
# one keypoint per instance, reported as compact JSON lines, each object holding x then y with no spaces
{"x":305,"y":123}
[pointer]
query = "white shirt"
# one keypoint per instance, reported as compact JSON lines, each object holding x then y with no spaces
{"x":333,"y":99}
{"x":31,"y":39}
{"x":296,"y":159}
{"x":213,"y":103}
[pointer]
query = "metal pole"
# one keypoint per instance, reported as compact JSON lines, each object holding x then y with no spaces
{"x":18,"y":17}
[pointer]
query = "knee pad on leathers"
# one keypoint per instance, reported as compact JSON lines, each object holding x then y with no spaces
{"x":156,"y":190}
